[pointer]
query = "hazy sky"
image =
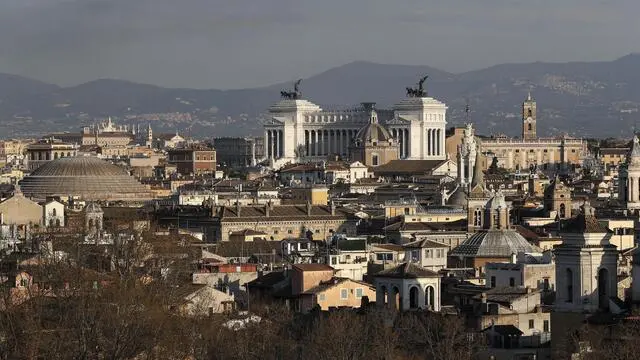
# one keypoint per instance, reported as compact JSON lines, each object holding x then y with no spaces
{"x":242,"y":43}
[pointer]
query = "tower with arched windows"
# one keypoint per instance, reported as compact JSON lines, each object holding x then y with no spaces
{"x":586,"y":264}
{"x":93,"y":216}
{"x":477,"y":198}
{"x":529,"y":119}
{"x":586,"y":274}
{"x":557,"y":198}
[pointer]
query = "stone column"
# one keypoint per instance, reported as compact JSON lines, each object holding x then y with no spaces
{"x":277,"y":153}
{"x":266,"y":143}
{"x":407,"y":143}
{"x":317,"y":143}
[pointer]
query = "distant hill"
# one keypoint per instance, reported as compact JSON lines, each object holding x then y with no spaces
{"x":580,"y":98}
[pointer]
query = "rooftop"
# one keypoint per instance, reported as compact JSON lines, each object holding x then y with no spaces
{"x":407,"y":271}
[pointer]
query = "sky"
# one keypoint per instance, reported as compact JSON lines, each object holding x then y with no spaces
{"x":226,"y":44}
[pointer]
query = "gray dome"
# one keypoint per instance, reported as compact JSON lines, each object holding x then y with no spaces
{"x":93,"y":207}
{"x":494,"y":243}
{"x":373,"y":132}
{"x":86,"y":177}
{"x":458,"y":199}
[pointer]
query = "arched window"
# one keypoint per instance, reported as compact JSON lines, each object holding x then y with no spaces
{"x":430,"y":298}
{"x":477,"y":217}
{"x":375,"y":160}
{"x":58,"y":222}
{"x":530,"y":114}
{"x":54,"y":212}
{"x":569,"y":283}
{"x":395,"y":298}
{"x":529,"y":127}
{"x":562,"y":210}
{"x":414,"y":295}
{"x":55,"y":156}
{"x":384,"y":295}
{"x":90,"y":223}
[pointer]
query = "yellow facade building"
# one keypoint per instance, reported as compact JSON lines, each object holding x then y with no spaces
{"x":551,"y":154}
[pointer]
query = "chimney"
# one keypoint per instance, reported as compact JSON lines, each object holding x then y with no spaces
{"x":332,"y":206}
{"x":308,"y":208}
{"x":267,"y":209}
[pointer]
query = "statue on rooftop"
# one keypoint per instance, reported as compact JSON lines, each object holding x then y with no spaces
{"x":292,"y":95}
{"x":419,"y":91}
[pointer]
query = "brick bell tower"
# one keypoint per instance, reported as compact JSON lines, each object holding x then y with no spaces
{"x":529,"y":119}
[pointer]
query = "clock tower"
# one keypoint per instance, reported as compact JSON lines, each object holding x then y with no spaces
{"x":529,"y":118}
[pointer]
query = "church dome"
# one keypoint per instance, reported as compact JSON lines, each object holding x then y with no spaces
{"x":494,"y":243}
{"x":373,"y":132}
{"x":86,"y":177}
{"x":93,"y":207}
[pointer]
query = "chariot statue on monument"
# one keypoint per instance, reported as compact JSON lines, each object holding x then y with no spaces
{"x":292,"y":95}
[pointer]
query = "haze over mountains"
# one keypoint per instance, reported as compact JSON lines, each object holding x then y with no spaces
{"x":580,"y":98}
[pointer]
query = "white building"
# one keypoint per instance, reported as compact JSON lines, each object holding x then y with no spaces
{"x":299,"y":130}
{"x":53,"y":214}
{"x":408,"y":286}
{"x":431,"y":255}
{"x":467,"y":157}
{"x":629,"y":183}
{"x":586,"y":265}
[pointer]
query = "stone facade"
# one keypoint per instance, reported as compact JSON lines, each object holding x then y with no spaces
{"x":299,"y":130}
{"x":285,"y":221}
{"x":547,"y":154}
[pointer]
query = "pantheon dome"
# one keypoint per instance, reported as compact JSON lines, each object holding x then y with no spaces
{"x":88,"y":178}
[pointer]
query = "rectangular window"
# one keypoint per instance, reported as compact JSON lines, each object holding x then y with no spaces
{"x":532,"y":324}
{"x":545,"y":326}
{"x":344,"y":294}
{"x":321,"y":297}
{"x":427,"y":254}
{"x":384,"y":257}
{"x":359,"y":292}
{"x":493,"y":281}
{"x":512,"y":282}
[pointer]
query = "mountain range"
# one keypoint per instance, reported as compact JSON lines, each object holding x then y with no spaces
{"x":582,"y":99}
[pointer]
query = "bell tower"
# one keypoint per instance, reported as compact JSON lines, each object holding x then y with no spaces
{"x":529,"y":119}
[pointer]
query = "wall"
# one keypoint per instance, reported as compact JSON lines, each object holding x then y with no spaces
{"x":20,"y":210}
{"x":302,"y":281}
{"x":333,"y":298}
{"x":234,"y":281}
